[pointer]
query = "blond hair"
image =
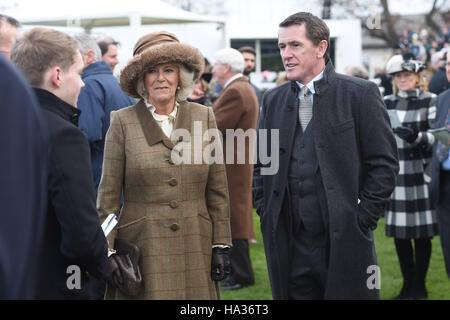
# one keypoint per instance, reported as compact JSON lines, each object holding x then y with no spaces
{"x":421,"y":84}
{"x":185,"y":84}
{"x":40,"y":49}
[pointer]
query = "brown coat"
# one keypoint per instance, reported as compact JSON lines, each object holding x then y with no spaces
{"x":237,"y":108}
{"x":174,"y":213}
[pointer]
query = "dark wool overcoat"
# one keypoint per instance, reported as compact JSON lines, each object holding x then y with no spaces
{"x":357,"y":157}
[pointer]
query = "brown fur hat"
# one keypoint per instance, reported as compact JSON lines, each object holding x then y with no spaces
{"x":158,"y":48}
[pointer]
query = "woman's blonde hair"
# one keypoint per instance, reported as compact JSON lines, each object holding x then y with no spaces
{"x":185,"y":84}
{"x":421,"y":84}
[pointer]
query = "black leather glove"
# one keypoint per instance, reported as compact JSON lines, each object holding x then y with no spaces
{"x":113,"y":277}
{"x":407,"y":134}
{"x":220,"y":264}
{"x":366,"y":220}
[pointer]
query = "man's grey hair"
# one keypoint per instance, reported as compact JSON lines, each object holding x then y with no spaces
{"x":231,"y":57}
{"x":86,"y":44}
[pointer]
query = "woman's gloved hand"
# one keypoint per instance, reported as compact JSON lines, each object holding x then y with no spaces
{"x":407,"y":134}
{"x":220,"y":264}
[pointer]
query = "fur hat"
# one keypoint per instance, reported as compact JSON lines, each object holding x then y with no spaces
{"x":157,"y":48}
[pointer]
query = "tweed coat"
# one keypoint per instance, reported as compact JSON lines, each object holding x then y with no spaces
{"x":237,"y":108}
{"x":173,"y":212}
{"x":410,"y":214}
{"x":357,"y":158}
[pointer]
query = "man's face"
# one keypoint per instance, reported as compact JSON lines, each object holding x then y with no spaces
{"x":302,"y":60}
{"x":219,"y":72}
{"x":447,"y":66}
{"x":111,"y":56}
{"x":71,"y":82}
{"x":8,"y":35}
{"x":249,"y":59}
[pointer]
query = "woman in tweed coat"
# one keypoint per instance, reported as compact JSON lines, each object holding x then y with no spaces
{"x":410,"y":215}
{"x":176,"y":212}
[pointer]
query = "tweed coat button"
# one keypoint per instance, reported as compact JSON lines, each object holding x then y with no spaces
{"x":173,"y":182}
{"x":174,"y":227}
{"x":173,"y":204}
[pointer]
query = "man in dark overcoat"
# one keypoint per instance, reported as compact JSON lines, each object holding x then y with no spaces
{"x":23,"y":192}
{"x":337,"y":168}
{"x":73,"y":240}
{"x":440,"y":176}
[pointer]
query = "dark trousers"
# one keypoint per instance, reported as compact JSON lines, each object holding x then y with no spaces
{"x":443,"y":214}
{"x":308,"y":265}
{"x":241,"y":265}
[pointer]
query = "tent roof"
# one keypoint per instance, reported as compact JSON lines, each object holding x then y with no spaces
{"x":90,"y":14}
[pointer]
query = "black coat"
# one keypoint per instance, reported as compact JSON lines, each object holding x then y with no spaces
{"x":23,"y":165}
{"x":442,"y":106}
{"x":357,"y":156}
{"x":73,"y":235}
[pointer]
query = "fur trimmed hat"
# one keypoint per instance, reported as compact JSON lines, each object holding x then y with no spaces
{"x":157,"y":48}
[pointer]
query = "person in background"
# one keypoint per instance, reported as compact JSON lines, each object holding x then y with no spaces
{"x":9,"y":32}
{"x":410,"y":216}
{"x":249,"y":54}
{"x":174,"y":209}
{"x":73,"y":240}
{"x":439,"y":82}
{"x":358,"y":71}
{"x":236,"y":108}
{"x":23,"y":186}
{"x":440,"y":177}
{"x":110,"y":53}
{"x":100,"y":96}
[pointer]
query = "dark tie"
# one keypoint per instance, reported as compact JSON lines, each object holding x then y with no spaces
{"x":442,"y":149}
{"x":305,"y":108}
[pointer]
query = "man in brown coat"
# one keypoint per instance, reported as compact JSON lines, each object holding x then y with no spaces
{"x":236,"y":112}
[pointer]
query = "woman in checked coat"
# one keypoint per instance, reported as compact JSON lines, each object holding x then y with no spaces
{"x":410,"y":215}
{"x":177,"y":213}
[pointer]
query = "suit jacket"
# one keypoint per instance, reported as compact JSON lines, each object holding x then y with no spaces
{"x":237,"y":108}
{"x":23,"y":189}
{"x":73,"y":235}
{"x":174,"y":212}
{"x":442,"y":106}
{"x":357,"y":157}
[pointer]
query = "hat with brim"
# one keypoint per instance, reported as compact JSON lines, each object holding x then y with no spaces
{"x":159,"y":48}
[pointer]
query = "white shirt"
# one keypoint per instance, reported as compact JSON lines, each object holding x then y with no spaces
{"x":310,"y":85}
{"x":165,"y":122}
{"x":236,"y":76}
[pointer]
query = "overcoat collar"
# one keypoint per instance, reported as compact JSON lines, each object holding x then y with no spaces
{"x":153,"y":133}
{"x":52,"y":103}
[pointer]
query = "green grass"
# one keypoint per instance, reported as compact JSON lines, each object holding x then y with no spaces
{"x":438,"y":284}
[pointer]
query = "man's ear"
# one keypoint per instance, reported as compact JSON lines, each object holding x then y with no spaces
{"x":90,"y":57}
{"x":323,"y":45}
{"x":55,"y":76}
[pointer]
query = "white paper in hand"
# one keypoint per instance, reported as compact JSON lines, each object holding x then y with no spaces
{"x":109,"y":224}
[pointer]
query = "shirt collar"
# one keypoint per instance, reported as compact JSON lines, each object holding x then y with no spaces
{"x":310,"y":84}
{"x":236,"y":76}
{"x":162,"y":117}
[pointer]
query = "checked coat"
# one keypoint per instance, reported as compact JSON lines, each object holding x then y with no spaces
{"x":173,"y":212}
{"x":410,"y":214}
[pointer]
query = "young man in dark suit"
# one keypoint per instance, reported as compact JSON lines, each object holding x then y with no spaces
{"x":73,"y":238}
